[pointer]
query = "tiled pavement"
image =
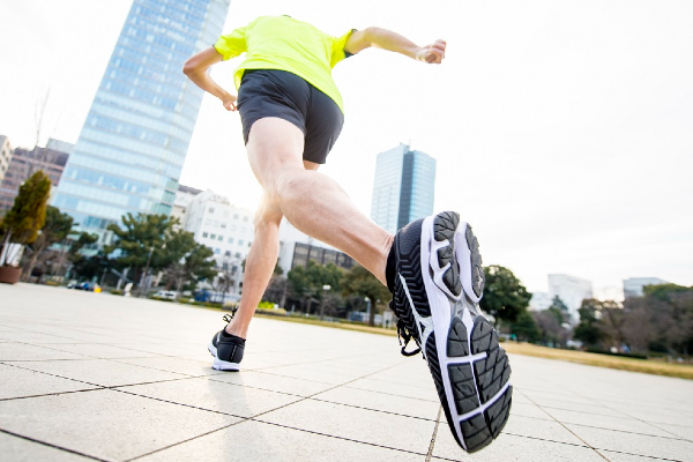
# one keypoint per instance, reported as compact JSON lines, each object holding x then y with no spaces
{"x":88,"y":376}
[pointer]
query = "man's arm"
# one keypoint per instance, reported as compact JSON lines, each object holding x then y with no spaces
{"x":197,"y":67}
{"x":391,"y":41}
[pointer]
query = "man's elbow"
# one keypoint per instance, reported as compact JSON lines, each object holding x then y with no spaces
{"x":189,"y":67}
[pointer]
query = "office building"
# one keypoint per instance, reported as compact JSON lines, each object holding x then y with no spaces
{"x":5,"y":156}
{"x":181,"y":203}
{"x":571,"y":290}
{"x":131,"y":149}
{"x":297,"y":249}
{"x":539,"y":301}
{"x":25,"y":163}
{"x":633,"y":287}
{"x":403,"y":189}
{"x":223,"y":227}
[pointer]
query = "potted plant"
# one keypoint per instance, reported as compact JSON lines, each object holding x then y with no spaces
{"x":21,"y":224}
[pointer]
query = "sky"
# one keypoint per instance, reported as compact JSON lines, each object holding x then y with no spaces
{"x":563,"y":131}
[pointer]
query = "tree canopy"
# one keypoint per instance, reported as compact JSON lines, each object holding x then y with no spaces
{"x":505,"y":298}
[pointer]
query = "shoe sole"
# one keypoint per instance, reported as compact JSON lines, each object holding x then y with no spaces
{"x":470,"y":370}
{"x":220,"y":365}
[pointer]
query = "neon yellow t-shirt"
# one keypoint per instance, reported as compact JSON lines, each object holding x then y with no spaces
{"x":286,"y":44}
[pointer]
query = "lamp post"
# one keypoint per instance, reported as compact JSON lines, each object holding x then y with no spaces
{"x":326,"y":288}
{"x":146,"y":269}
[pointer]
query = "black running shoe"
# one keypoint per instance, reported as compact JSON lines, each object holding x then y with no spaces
{"x":438,"y":284}
{"x":226,"y":349}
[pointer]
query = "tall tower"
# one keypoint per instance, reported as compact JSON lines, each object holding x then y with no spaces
{"x":403,"y":190}
{"x":131,"y":149}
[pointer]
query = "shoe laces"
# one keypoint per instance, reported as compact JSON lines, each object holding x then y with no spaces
{"x":229,"y":316}
{"x":404,"y":337}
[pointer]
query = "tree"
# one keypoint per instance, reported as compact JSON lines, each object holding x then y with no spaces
{"x":27,"y":215}
{"x":525,"y":328}
{"x":195,"y":265}
{"x":551,"y":332}
{"x":505,"y":298}
{"x":141,"y":242}
{"x":589,"y":330}
{"x":56,"y":228}
{"x":358,"y":280}
{"x":307,"y":282}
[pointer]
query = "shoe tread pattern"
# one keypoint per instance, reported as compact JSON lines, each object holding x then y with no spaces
{"x":444,"y":227}
{"x":457,"y":340}
{"x":483,"y":379}
{"x":478,"y":278}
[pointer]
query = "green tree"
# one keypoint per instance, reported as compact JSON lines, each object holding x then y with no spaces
{"x":140,"y":243}
{"x":22,"y":223}
{"x":195,"y":265}
{"x":589,"y":330}
{"x":307,"y":282}
{"x":505,"y":298}
{"x":56,"y":228}
{"x":525,"y":328}
{"x":358,"y":280}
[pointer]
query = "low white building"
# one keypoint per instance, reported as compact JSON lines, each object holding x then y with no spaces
{"x":5,"y":155}
{"x":633,"y":287}
{"x":539,"y":301}
{"x":571,"y":290}
{"x":184,"y":197}
{"x":218,"y":224}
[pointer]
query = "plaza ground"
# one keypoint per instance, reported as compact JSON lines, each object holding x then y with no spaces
{"x":87,"y":376}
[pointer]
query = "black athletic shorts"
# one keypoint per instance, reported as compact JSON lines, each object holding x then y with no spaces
{"x":272,"y":93}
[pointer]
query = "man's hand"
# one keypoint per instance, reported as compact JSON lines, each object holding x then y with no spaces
{"x":432,"y":54}
{"x":229,"y":101}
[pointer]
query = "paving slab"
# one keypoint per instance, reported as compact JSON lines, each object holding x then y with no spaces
{"x":18,"y":449}
{"x":256,"y":441}
{"x":367,"y":426}
{"x":105,"y":423}
{"x":107,"y":373}
{"x":215,"y":396}
{"x":305,"y":393}
{"x":16,"y":382}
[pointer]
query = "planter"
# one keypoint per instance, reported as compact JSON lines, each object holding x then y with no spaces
{"x":10,"y":274}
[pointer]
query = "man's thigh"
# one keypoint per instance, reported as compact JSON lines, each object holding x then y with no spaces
{"x":274,"y":146}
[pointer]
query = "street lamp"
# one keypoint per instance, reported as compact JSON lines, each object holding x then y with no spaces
{"x":326,"y":288}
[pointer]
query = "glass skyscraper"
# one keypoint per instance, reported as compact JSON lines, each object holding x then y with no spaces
{"x":403,"y":190}
{"x":131,"y":149}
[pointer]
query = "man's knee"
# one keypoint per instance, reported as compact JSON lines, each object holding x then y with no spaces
{"x":268,"y":215}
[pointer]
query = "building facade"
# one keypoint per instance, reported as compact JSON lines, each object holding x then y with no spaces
{"x":539,"y":301}
{"x":5,"y":156}
{"x":571,"y":290}
{"x":403,"y":189}
{"x":25,"y":163}
{"x":297,"y":249}
{"x":181,"y":203}
{"x":223,"y":227}
{"x":131,"y":149}
{"x":633,"y":287}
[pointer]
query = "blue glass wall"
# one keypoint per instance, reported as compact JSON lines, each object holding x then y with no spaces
{"x":132,"y":147}
{"x":404,"y":187}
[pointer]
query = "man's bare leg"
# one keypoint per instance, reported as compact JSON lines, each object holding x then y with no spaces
{"x":311,"y":201}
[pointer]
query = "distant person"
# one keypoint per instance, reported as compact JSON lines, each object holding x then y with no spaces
{"x":292,"y":115}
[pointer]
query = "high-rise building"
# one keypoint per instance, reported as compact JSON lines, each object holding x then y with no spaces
{"x":403,"y":190}
{"x":5,"y":156}
{"x":571,"y":290}
{"x":131,"y":149}
{"x":25,"y":163}
{"x":633,"y":287}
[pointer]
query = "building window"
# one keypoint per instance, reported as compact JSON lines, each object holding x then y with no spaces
{"x":217,"y":251}
{"x":210,"y":210}
{"x":245,"y":219}
{"x":240,"y":242}
{"x":250,"y":244}
{"x":235,"y":216}
{"x":230,"y":240}
{"x":221,"y":238}
{"x":213,"y":236}
{"x":205,"y":234}
{"x":238,"y":255}
{"x":227,"y":253}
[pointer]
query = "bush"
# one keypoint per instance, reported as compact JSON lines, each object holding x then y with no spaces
{"x":161,"y":299}
{"x":624,"y":355}
{"x":270,"y":311}
{"x":52,"y":283}
{"x":116,"y":292}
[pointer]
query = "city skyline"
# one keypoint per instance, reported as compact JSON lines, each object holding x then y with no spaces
{"x":130,"y":152}
{"x":567,"y":152}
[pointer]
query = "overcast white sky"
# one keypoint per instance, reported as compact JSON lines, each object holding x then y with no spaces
{"x":563,"y":130}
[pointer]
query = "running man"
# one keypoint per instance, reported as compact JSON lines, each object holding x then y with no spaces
{"x":292,"y":114}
